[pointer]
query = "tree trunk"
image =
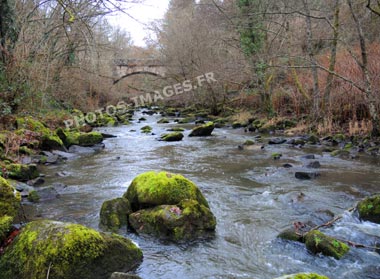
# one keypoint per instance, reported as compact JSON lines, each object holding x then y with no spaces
{"x":330,"y":77}
{"x":314,"y":66}
{"x":371,"y":98}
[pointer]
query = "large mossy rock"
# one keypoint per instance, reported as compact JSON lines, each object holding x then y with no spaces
{"x":114,"y":214}
{"x":369,"y":209}
{"x":168,"y":206}
{"x":203,"y":130}
{"x":90,"y":139}
{"x":9,"y":207}
{"x":67,"y":251}
{"x":303,"y":276}
{"x":70,"y":138}
{"x":318,"y":242}
{"x":175,"y":136}
{"x":159,"y":188}
{"x":187,"y":220}
{"x":49,"y":139}
{"x":22,"y":172}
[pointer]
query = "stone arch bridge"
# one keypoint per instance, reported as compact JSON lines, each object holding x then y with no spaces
{"x":129,"y":67}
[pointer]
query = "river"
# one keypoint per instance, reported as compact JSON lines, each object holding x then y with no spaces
{"x":252,"y":196}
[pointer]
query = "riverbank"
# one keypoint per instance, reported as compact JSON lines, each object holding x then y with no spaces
{"x":260,"y":195}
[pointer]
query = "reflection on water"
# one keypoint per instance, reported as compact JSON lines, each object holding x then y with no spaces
{"x":252,"y":196}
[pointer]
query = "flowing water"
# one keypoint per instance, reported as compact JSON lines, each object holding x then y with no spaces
{"x":252,"y":196}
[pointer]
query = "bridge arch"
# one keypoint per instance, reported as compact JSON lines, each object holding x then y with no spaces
{"x":131,"y":67}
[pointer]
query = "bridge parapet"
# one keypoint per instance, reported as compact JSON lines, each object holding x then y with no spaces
{"x":138,"y":63}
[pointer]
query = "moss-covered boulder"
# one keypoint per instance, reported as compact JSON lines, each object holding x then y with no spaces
{"x":318,"y":242}
{"x":290,"y":234}
{"x":90,"y":139}
{"x":67,"y":251}
{"x":9,"y":207}
{"x":146,"y":129}
{"x":114,"y":214}
{"x":203,"y":130}
{"x":175,"y":136}
{"x":22,"y":172}
{"x":303,"y":276}
{"x":49,"y":139}
{"x":369,"y":209}
{"x":177,"y":222}
{"x":168,"y":206}
{"x":159,"y":188}
{"x":5,"y":226}
{"x":163,"y":121}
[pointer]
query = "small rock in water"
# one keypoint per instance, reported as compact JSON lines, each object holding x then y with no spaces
{"x":62,"y":173}
{"x":287,"y":166}
{"x":308,"y":157}
{"x":277,"y":141}
{"x":313,"y":165}
{"x":36,"y":182}
{"x":306,"y":175}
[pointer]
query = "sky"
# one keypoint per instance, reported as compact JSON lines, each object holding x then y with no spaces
{"x":143,"y":13}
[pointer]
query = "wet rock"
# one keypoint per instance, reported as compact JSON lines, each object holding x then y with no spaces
{"x":33,"y":197}
{"x":186,"y":220}
{"x":313,"y":165}
{"x":303,"y":276}
{"x":176,"y":129}
{"x":308,"y":157}
{"x":175,"y":136}
{"x":64,"y":155}
{"x":163,"y":121}
{"x":318,"y":242}
{"x":249,"y":142}
{"x":186,"y":120}
{"x":200,"y":121}
{"x":90,"y":139}
{"x":291,"y":235}
{"x":369,"y":209}
{"x":306,"y":175}
{"x":203,"y":130}
{"x":23,"y":188}
{"x":114,"y":214}
{"x":168,"y":206}
{"x":47,"y":193}
{"x":85,"y":150}
{"x":146,"y":129}
{"x":22,"y":172}
{"x":36,"y":182}
{"x":287,"y":166}
{"x":312,"y":139}
{"x":67,"y":251}
{"x":108,"y":136}
{"x":277,"y":141}
{"x":276,"y":156}
{"x":119,"y":275}
{"x":341,"y":153}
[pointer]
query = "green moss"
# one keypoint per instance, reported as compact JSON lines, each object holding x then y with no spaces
{"x":291,"y":235}
{"x":186,"y":120}
{"x":339,"y":138}
{"x":203,"y":130}
{"x":146,"y":129}
{"x":22,"y":172}
{"x":276,"y":156}
{"x":249,"y":142}
{"x":25,"y":150}
{"x":186,"y":221}
{"x":9,"y":204}
{"x":158,"y":188}
{"x":114,"y":214}
{"x":5,"y":226}
{"x":369,"y":209}
{"x":33,"y":196}
{"x":340,"y":153}
{"x":90,"y":139}
{"x":49,"y":139}
{"x":67,"y":251}
{"x":163,"y":121}
{"x":318,"y":242}
{"x":175,"y":136}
